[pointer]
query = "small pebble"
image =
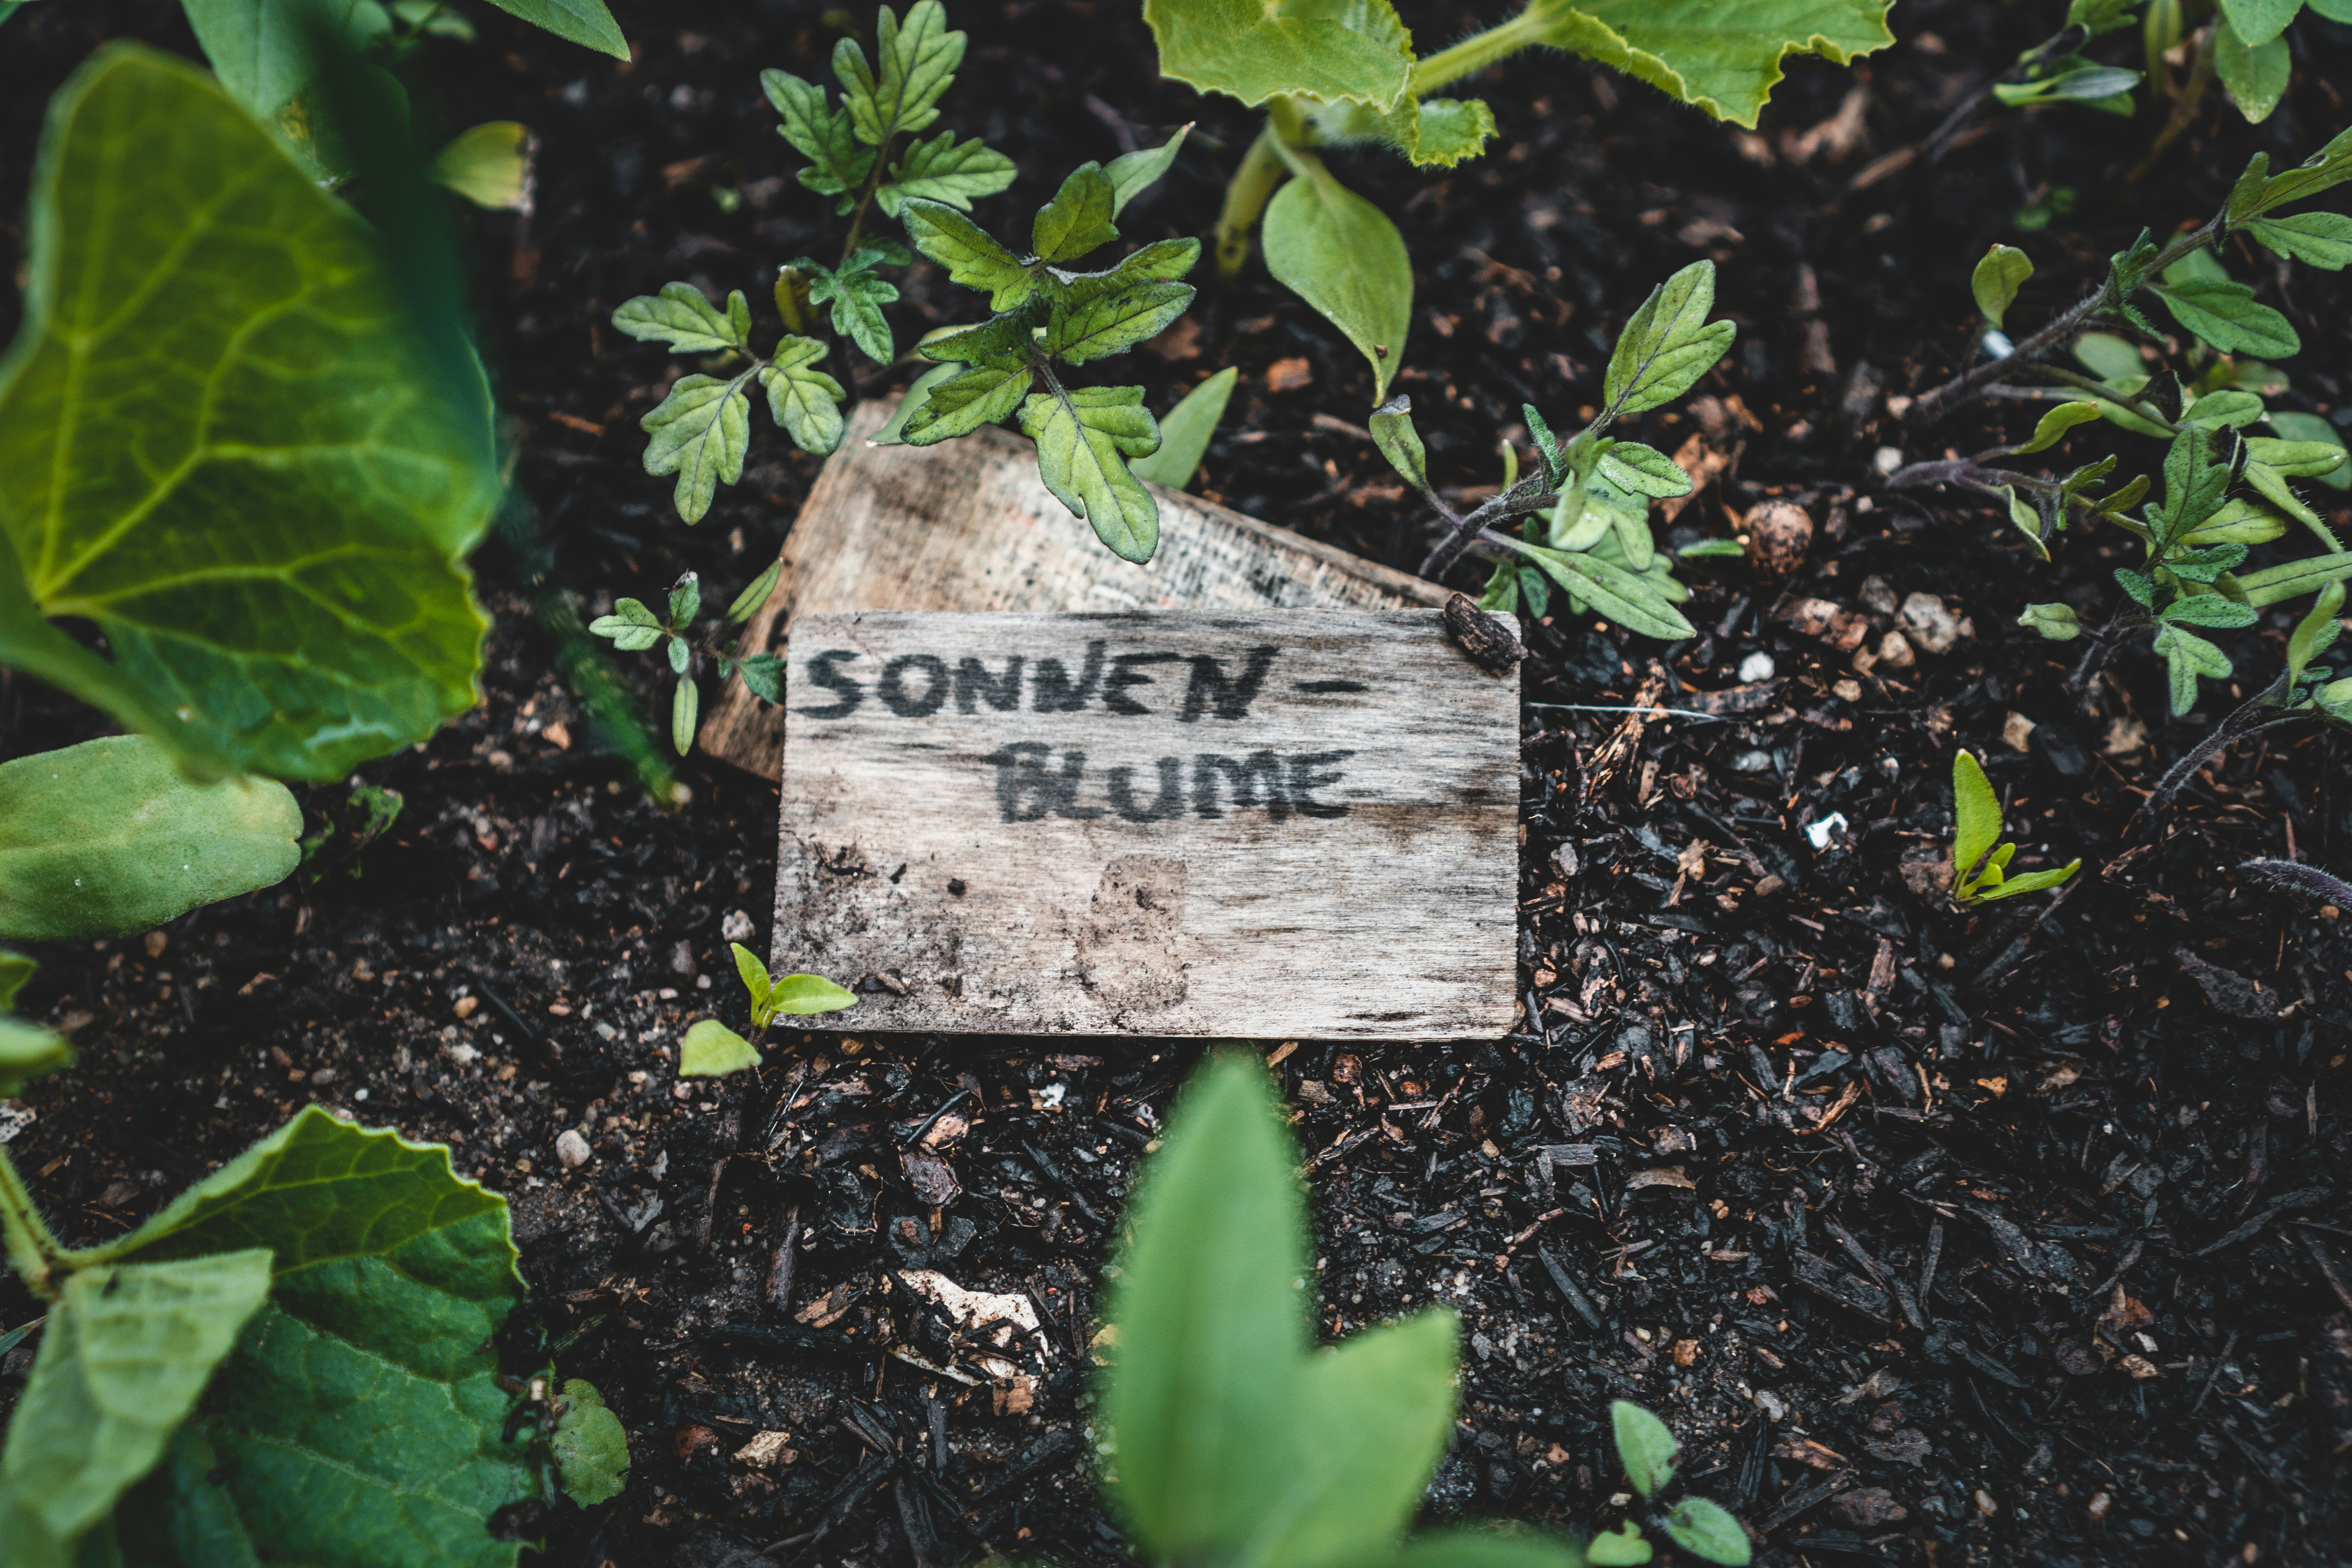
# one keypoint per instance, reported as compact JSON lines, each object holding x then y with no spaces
{"x":572,"y":1148}
{"x":1756,"y":667}
{"x":1886,"y":460}
{"x":736,"y":927}
{"x":1931,"y":624}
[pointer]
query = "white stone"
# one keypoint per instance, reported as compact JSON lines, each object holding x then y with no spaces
{"x":1931,"y":625}
{"x":1756,"y":667}
{"x":572,"y":1148}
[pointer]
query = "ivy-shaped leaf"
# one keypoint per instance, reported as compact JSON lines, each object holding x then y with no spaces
{"x":803,"y":399}
{"x":857,"y":296}
{"x":682,"y":316}
{"x":944,"y":170}
{"x":2187,"y":656}
{"x":701,"y":432}
{"x":1085,"y":435}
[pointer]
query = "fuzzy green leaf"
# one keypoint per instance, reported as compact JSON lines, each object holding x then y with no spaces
{"x":2277,"y":584}
{"x":2224,"y":410}
{"x":2187,"y":657}
{"x":1132,"y":174}
{"x":918,"y":60}
{"x":947,"y":171}
{"x":1078,"y":218}
{"x":2317,"y":239}
{"x":1997,"y":279}
{"x":226,"y":441}
{"x":970,"y":257}
{"x":1668,"y":344}
{"x":369,"y":1378}
{"x":109,"y":838}
{"x":711,"y":1049}
{"x":1341,"y":255}
{"x":1644,"y":1446}
{"x":584,"y":22}
{"x":1185,"y":431}
{"x":685,"y":318}
{"x":799,"y":996}
{"x":2209,"y":610}
{"x":591,"y":1450}
{"x":1707,"y":1530}
{"x":701,"y":432}
{"x":1622,"y":1547}
{"x":838,"y":162}
{"x":1976,"y":813}
{"x":2224,"y":314}
{"x":1084,"y":436}
{"x":2313,"y":636}
{"x":802,"y":398}
{"x":2058,"y":622}
{"x":977,"y":395}
{"x":1643,"y":470}
{"x":1722,"y":58}
{"x":1001,"y":342}
{"x":1613,"y":592}
{"x":1113,"y":323}
{"x":126,"y":1353}
{"x":2255,"y":75}
{"x":2307,"y":433}
{"x":1253,"y":51}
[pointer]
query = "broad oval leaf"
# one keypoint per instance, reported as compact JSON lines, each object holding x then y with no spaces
{"x":685,"y":707}
{"x":1085,"y":435}
{"x":209,"y":339}
{"x":1254,"y":51}
{"x":1707,"y":1530}
{"x":1185,"y":431}
{"x":2253,"y":74}
{"x":2052,"y":428}
{"x":2002,"y":271}
{"x":1078,"y":218}
{"x":109,"y":838}
{"x":711,"y":1049}
{"x":799,"y":996}
{"x":2226,"y":315}
{"x":1643,"y":470}
{"x":1645,"y":1446}
{"x":1722,"y":58}
{"x":2057,"y":623}
{"x":1341,"y":255}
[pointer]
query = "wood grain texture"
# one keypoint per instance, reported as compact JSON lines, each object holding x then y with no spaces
{"x":968,"y":525}
{"x":1295,"y":823}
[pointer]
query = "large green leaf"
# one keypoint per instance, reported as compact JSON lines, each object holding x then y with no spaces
{"x":2259,"y":21}
{"x":220,"y":442}
{"x":1212,"y":1334}
{"x":1341,"y":255}
{"x":126,"y":1350}
{"x":1722,"y":56}
{"x":584,"y":22}
{"x":1352,"y":51}
{"x":1085,"y":435}
{"x":358,"y":1422}
{"x":109,"y":838}
{"x":266,"y":54}
{"x":1078,"y":218}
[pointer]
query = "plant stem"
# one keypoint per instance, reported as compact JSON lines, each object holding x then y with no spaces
{"x":2184,"y":108}
{"x":2102,"y":392}
{"x":1475,"y":53}
{"x":35,"y":1250}
{"x":1246,"y":193}
{"x":2246,"y":720}
{"x":866,"y":197}
{"x":1528,"y":495}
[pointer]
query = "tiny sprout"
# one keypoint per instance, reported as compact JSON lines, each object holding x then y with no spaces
{"x":1980,"y":870}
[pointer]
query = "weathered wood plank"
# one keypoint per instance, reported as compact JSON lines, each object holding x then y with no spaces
{"x":1290,"y":823}
{"x":968,"y":525}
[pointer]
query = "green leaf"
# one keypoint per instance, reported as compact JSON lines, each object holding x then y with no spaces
{"x":2225,"y":315}
{"x":973,"y":396}
{"x":1622,"y":1547}
{"x":857,"y":298}
{"x":918,"y":60}
{"x":2253,"y":74}
{"x":1997,"y":279}
{"x":590,"y":1448}
{"x":2108,"y":357}
{"x":488,"y":164}
{"x":210,"y":341}
{"x":684,"y":713}
{"x":1707,"y":1530}
{"x":2259,"y":21}
{"x":1079,"y":217}
{"x":1613,"y":592}
{"x":1706,"y":548}
{"x":268,"y":58}
{"x":1643,"y":470}
{"x":632,"y":627}
{"x":753,"y":974}
{"x":1132,"y":174}
{"x":763,"y":677}
{"x":109,"y":838}
{"x":2194,"y":486}
{"x":838,"y":163}
{"x":701,"y":432}
{"x":1341,"y":255}
{"x":2306,"y":433}
{"x":1668,"y":344}
{"x":1253,"y":52}
{"x":2324,"y":169}
{"x":2209,"y":610}
{"x":1212,"y":1315}
{"x":685,"y":318}
{"x":584,"y":22}
{"x":970,"y":257}
{"x":369,"y":1377}
{"x":2238,"y":523}
{"x":1502,"y":593}
{"x":1084,"y":436}
{"x":2187,"y":657}
{"x":711,"y":1049}
{"x":1113,"y":323}
{"x":2277,"y":584}
{"x":2313,"y":636}
{"x":126,"y":1353}
{"x":1400,"y":442}
{"x":801,"y":994}
{"x":2099,"y":86}
{"x":1723,"y":58}
{"x":2058,"y":622}
{"x":2052,"y":428}
{"x":2318,"y":239}
{"x":917,"y":393}
{"x":2031,"y":881}
{"x":755,"y":594}
{"x":15,"y":969}
{"x":1001,"y":342}
{"x":27,"y":1052}
{"x":2222,"y":410}
{"x":685,"y":600}
{"x":944,"y":170}
{"x":1184,"y":433}
{"x":1977,"y":814}
{"x":1644,"y":1446}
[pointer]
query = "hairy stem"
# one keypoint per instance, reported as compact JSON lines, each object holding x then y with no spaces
{"x":35,"y":1250}
{"x":2101,"y":392}
{"x":2257,"y":714}
{"x":1528,"y":496}
{"x":1476,"y":52}
{"x":1246,"y":193}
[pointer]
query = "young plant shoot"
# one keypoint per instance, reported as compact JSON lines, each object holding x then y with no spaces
{"x":1334,"y":77}
{"x":711,"y":1049}
{"x":633,"y":629}
{"x":1979,"y":870}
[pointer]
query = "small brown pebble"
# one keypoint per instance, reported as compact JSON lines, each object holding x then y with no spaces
{"x":1485,"y":638}
{"x":465,"y":1007}
{"x":1779,"y":534}
{"x":1868,"y":1507}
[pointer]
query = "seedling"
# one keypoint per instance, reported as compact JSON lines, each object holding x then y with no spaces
{"x":1980,"y":870}
{"x":711,"y":1049}
{"x":633,"y":628}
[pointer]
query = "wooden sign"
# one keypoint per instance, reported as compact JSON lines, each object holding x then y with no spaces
{"x":968,"y":525}
{"x":1273,"y":824}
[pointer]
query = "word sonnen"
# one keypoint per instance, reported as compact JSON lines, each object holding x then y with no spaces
{"x":918,"y":685}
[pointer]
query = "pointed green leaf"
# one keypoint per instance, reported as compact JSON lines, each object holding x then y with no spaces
{"x":1341,"y":255}
{"x":126,"y":1353}
{"x":1001,"y":342}
{"x":682,"y":317}
{"x":2194,"y":486}
{"x":711,"y":1049}
{"x":2253,"y":74}
{"x":2225,"y":314}
{"x":1162,"y":261}
{"x":1084,"y":436}
{"x":1132,"y":174}
{"x":2187,"y":657}
{"x":2313,"y":636}
{"x":2101,"y":86}
{"x":2324,"y":169}
{"x":1079,"y":217}
{"x":752,"y":972}
{"x":1997,"y":279}
{"x":28,"y":1051}
{"x":2259,"y":21}
{"x":838,"y":162}
{"x":1400,"y":442}
{"x":1976,"y":813}
{"x":1110,"y":324}
{"x":584,"y":22}
{"x":210,"y":341}
{"x":755,"y":594}
{"x":2052,"y":428}
{"x":970,"y":257}
{"x":1707,"y":1530}
{"x":590,"y":1448}
{"x":2058,"y":622}
{"x":109,"y":838}
{"x":2031,"y":881}
{"x":2318,"y":239}
{"x":947,"y":171}
{"x":15,"y":969}
{"x":701,"y":432}
{"x":978,"y":396}
{"x":2225,"y":410}
{"x":1184,"y":433}
{"x":1723,"y":58}
{"x":918,"y":60}
{"x":802,"y":995}
{"x":1643,"y":470}
{"x":685,"y":600}
{"x":2305,"y":434}
{"x":1668,"y":344}
{"x":685,"y":711}
{"x":1613,"y":592}
{"x":1254,"y":51}
{"x":1644,"y":1446}
{"x":488,"y":164}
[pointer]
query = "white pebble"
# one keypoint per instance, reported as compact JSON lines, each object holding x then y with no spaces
{"x":1886,"y":460}
{"x":572,"y":1148}
{"x":1756,"y":667}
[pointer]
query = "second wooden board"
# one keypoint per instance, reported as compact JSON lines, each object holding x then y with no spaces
{"x":1291,"y":823}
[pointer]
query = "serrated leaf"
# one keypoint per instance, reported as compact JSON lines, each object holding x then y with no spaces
{"x":2317,"y":239}
{"x":2324,"y":169}
{"x":970,"y":256}
{"x":369,"y":1377}
{"x":1668,"y":345}
{"x":590,"y":1448}
{"x":1646,"y":1446}
{"x":1001,"y":342}
{"x":977,"y":395}
{"x":2052,"y":428}
{"x":823,"y":134}
{"x":1255,"y":52}
{"x":2225,"y":315}
{"x":2209,"y":610}
{"x":127,"y":1351}
{"x":682,"y":316}
{"x":1977,"y":817}
{"x":917,"y":62}
{"x":1643,"y":470}
{"x":1999,"y":275}
{"x":1185,"y":431}
{"x":1084,"y":436}
{"x":210,"y":341}
{"x":110,"y":838}
{"x":1113,"y":323}
{"x":2187,"y":657}
{"x":1341,"y":255}
{"x":947,"y":171}
{"x":1162,"y":261}
{"x":1132,"y":174}
{"x":701,"y":432}
{"x":584,"y":22}
{"x":684,"y":713}
{"x":1725,"y":59}
{"x":800,"y":996}
{"x":2255,"y":75}
{"x":1707,"y":1530}
{"x":1613,"y":592}
{"x":1435,"y":132}
{"x":802,"y":398}
{"x":2058,"y":622}
{"x":856,"y":297}
{"x":1078,"y":218}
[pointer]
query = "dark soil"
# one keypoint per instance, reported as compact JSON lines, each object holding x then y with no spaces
{"x":2018,"y":1237}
